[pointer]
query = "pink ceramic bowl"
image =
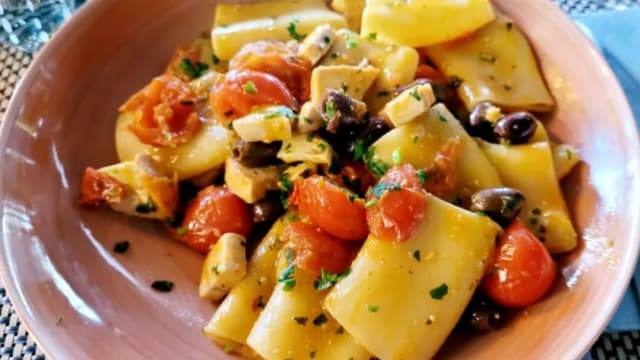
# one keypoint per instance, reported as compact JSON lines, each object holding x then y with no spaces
{"x":81,"y":301}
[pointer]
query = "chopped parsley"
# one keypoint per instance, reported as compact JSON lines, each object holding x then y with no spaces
{"x":307,"y":120}
{"x":377,"y":167}
{"x":334,"y":55}
{"x":312,"y":354}
{"x":439,"y":292}
{"x":328,"y":279}
{"x":396,"y":156}
{"x":310,"y":137}
{"x":568,"y":154}
{"x":279,"y":111}
{"x":340,"y":330}
{"x":286,"y":277}
{"x":228,"y":349}
{"x":146,"y":208}
{"x":320,"y":319}
{"x":352,"y":197}
{"x":250,"y":88}
{"x":509,"y":25}
{"x":454,"y":82}
{"x":230,"y":126}
{"x":322,"y":146}
{"x":181,"y":230}
{"x":344,"y":86}
{"x":162,"y":285}
{"x":121,"y":247}
{"x":383,"y":187}
{"x":371,"y":203}
{"x":215,"y":270}
{"x":351,"y":42}
{"x":487,"y":57}
{"x":373,"y":308}
{"x":416,"y":255}
{"x":215,"y":59}
{"x":441,"y":117}
{"x":414,"y":94}
{"x":329,"y":108}
{"x":191,"y":69}
{"x":383,"y":93}
{"x":359,"y":148}
{"x":326,"y":39}
{"x":301,"y":320}
{"x":422,"y":176}
{"x":286,"y":187}
{"x":293,"y":32}
{"x":373,"y":36}
{"x":506,"y":87}
{"x":536,"y":211}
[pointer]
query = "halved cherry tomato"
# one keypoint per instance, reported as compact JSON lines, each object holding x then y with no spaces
{"x":315,"y":250}
{"x":397,"y":205}
{"x":441,"y":175}
{"x":213,"y":212}
{"x":522,"y":271}
{"x":240,"y":91}
{"x":165,"y":114}
{"x":99,"y":189}
{"x":330,"y":208}
{"x":275,"y":58}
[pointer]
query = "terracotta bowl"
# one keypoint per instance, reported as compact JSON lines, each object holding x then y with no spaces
{"x":81,"y":301}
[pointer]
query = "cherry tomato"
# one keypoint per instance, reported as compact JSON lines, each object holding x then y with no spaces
{"x":315,"y":250}
{"x":240,"y":91}
{"x":330,"y":207}
{"x":522,"y":271}
{"x":165,"y":114}
{"x":275,"y":58}
{"x":213,"y":212}
{"x":441,"y":175}
{"x":397,"y":205}
{"x":99,"y":189}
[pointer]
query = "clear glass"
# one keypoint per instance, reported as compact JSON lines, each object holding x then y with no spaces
{"x":28,"y":24}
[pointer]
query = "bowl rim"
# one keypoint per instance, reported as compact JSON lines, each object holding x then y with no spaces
{"x":577,"y":352}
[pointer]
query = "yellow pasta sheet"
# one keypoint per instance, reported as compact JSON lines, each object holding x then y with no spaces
{"x":402,"y":300}
{"x":496,"y":65}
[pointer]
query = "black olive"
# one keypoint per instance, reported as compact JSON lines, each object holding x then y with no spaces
{"x":256,"y":154}
{"x":267,"y":210}
{"x":500,"y":204}
{"x":515,"y":128}
{"x":374,"y":129}
{"x":340,"y":110}
{"x":482,"y":314}
{"x":478,"y":125}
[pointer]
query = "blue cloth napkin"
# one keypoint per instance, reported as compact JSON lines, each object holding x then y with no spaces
{"x":617,"y":35}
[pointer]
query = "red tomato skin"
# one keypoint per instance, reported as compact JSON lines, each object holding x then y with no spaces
{"x":99,"y":189}
{"x":328,"y":206}
{"x":213,"y":212}
{"x":230,"y":100}
{"x":398,"y":214}
{"x":522,"y":271}
{"x":315,"y":250}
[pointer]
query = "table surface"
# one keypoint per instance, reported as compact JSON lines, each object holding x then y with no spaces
{"x":15,"y":342}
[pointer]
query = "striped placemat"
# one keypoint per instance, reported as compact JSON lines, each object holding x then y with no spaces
{"x":15,"y":342}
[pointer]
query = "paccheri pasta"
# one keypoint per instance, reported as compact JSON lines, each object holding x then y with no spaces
{"x":403,"y":184}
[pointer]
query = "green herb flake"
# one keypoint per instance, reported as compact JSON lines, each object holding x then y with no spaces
{"x":328,"y":279}
{"x":312,"y":354}
{"x":415,"y":139}
{"x":509,"y":25}
{"x":286,"y":277}
{"x":373,"y":36}
{"x":301,"y":320}
{"x":439,"y":292}
{"x":162,"y":285}
{"x":536,"y":211}
{"x":383,"y":93}
{"x":189,"y":68}
{"x":351,"y":42}
{"x":422,"y":176}
{"x":181,"y":230}
{"x":373,"y":308}
{"x":293,"y":32}
{"x":215,"y":59}
{"x":215,"y":270}
{"x":334,"y":55}
{"x":322,"y":146}
{"x":377,"y":167}
{"x":359,"y":149}
{"x":396,"y":156}
{"x":281,"y":111}
{"x":442,"y":118}
{"x":307,"y":120}
{"x":371,"y":203}
{"x":230,"y":126}
{"x":506,"y":87}
{"x":414,"y":94}
{"x":340,"y":330}
{"x":352,"y":197}
{"x":146,"y":208}
{"x":121,"y":247}
{"x":329,"y":109}
{"x":250,"y":88}
{"x":568,"y":154}
{"x":416,"y":255}
{"x":326,"y":39}
{"x":487,"y":57}
{"x":286,"y":187}
{"x":320,"y":319}
{"x":228,"y":349}
{"x":383,"y":187}
{"x":310,"y":138}
{"x":344,"y":86}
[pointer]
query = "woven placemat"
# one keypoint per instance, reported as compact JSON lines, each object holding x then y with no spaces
{"x":15,"y":342}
